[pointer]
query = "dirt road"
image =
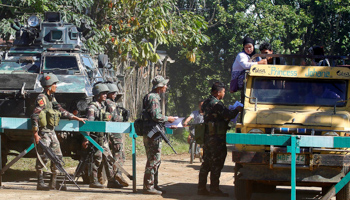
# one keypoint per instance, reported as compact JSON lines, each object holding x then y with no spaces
{"x":176,"y":176}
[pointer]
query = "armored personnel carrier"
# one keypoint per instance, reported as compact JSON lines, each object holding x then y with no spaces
{"x":46,"y":46}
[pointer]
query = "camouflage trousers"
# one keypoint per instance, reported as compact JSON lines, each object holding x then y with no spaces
{"x":153,"y":152}
{"x":214,"y":156}
{"x":117,"y":148}
{"x":49,"y":138}
{"x":99,"y":159}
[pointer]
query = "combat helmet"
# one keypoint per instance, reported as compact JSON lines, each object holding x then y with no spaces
{"x":48,"y":79}
{"x":98,"y":88}
{"x":112,"y":87}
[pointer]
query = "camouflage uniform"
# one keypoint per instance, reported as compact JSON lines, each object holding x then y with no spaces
{"x":151,"y":105}
{"x":47,"y":133}
{"x":94,"y":112}
{"x":216,"y":118}
{"x":116,"y":139}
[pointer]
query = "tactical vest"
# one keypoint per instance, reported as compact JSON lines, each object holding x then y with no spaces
{"x":103,"y":115}
{"x":49,"y":117}
{"x":217,"y":126}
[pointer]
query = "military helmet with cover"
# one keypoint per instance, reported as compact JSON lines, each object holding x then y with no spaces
{"x":48,"y":79}
{"x":159,"y":81}
{"x":112,"y":87}
{"x":98,"y":88}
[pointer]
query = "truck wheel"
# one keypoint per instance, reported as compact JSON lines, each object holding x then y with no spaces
{"x":263,"y":188}
{"x":243,"y":189}
{"x":344,"y":193}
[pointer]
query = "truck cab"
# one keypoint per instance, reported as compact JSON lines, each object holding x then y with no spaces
{"x":294,"y":100}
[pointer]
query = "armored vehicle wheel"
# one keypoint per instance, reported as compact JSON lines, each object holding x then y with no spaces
{"x":243,"y":189}
{"x":344,"y":193}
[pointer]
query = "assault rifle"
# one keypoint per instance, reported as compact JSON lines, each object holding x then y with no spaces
{"x":111,"y":160}
{"x":159,"y":128}
{"x":125,"y":113}
{"x":84,"y":161}
{"x":57,"y":161}
{"x":88,"y":160}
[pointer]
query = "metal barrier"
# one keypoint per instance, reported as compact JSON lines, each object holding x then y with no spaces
{"x":293,"y":143}
{"x":74,"y":126}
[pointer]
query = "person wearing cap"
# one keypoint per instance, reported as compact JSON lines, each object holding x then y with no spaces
{"x":97,"y":111}
{"x":45,"y":117}
{"x":242,"y":63}
{"x":152,"y":116}
{"x":116,"y":139}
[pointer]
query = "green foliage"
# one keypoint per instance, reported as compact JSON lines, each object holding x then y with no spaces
{"x":136,"y":28}
{"x":290,"y":26}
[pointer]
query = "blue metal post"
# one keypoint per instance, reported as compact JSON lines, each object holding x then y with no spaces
{"x":293,"y":167}
{"x":133,"y":137}
{"x":1,"y":130}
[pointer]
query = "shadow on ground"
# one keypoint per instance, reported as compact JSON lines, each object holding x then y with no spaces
{"x":12,"y":175}
{"x":189,"y":191}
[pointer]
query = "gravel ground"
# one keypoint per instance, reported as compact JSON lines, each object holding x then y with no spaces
{"x":176,"y":176}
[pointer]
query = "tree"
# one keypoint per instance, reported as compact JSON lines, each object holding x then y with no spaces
{"x":129,"y":31}
{"x":291,"y":26}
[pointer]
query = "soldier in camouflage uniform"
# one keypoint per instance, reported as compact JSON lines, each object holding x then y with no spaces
{"x":116,"y":139}
{"x":216,"y":119}
{"x":152,"y":116}
{"x":97,"y":111}
{"x":43,"y":125}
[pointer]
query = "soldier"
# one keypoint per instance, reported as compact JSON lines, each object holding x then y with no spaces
{"x":152,"y":116}
{"x":116,"y":139}
{"x":216,"y":119}
{"x":45,"y":117}
{"x":97,"y":111}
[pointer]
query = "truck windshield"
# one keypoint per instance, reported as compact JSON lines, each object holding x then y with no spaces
{"x":299,"y":91}
{"x":61,"y":62}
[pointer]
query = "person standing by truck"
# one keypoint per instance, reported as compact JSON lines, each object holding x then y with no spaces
{"x":45,"y":117}
{"x":154,"y":116}
{"x":216,"y":119}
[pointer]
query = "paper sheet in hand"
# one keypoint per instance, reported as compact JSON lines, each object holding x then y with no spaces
{"x":177,"y":122}
{"x":234,"y":106}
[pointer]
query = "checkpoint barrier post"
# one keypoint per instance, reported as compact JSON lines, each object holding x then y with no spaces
{"x":293,"y":144}
{"x":74,"y":126}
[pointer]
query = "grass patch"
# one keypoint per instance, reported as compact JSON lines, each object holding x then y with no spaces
{"x":28,"y":164}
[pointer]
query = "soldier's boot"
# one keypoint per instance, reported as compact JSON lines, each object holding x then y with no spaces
{"x":53,"y":181}
{"x":202,"y":185}
{"x":152,"y":191}
{"x":41,"y":185}
{"x":94,"y":183}
{"x":156,"y":186}
{"x":121,"y":180}
{"x":112,"y":183}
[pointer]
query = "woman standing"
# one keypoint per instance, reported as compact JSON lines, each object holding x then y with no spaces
{"x":242,"y":63}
